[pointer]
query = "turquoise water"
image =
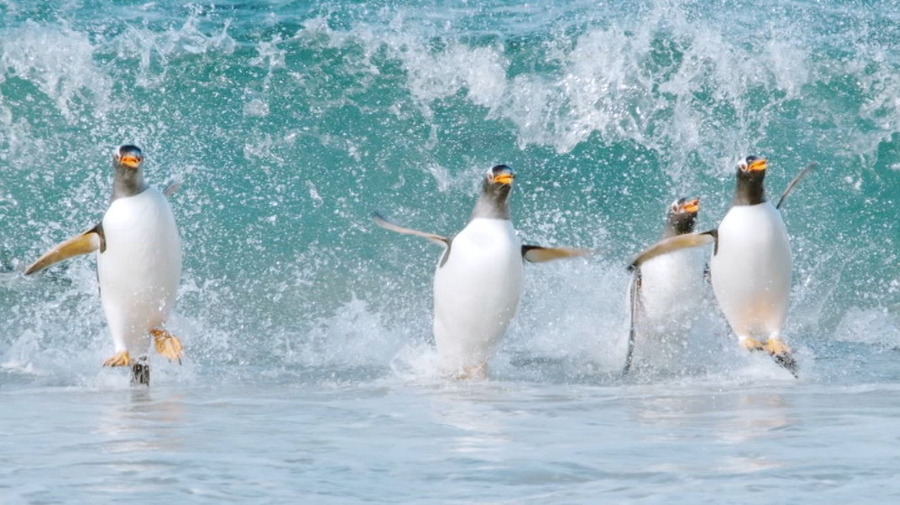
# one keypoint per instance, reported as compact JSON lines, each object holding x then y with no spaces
{"x":289,"y":122}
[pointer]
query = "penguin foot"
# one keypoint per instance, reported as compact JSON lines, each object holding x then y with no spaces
{"x":167,"y":344}
{"x":751,"y":344}
{"x":121,"y":358}
{"x":776,"y":346}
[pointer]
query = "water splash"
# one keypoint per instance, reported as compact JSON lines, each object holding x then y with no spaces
{"x":289,"y":128}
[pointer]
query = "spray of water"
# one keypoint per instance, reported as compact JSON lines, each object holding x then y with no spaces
{"x":287,"y":129}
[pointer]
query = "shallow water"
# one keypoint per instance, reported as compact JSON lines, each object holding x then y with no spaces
{"x":310,"y":368}
{"x":710,"y":440}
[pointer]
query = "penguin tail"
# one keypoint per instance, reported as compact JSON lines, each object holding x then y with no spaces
{"x":786,"y":360}
{"x":782,"y":354}
{"x":167,"y":344}
{"x":140,"y":372}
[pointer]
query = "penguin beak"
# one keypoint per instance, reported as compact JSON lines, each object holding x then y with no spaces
{"x":758,"y":165}
{"x":130,"y":161}
{"x":504,"y":178}
{"x":692,"y":206}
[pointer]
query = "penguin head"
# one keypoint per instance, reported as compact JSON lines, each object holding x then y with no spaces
{"x":752,"y":168}
{"x":128,"y":179}
{"x":682,"y":216}
{"x":495,"y":189}
{"x":750,"y":174}
{"x":498,"y":182}
{"x":499,"y":176}
{"x":128,"y":156}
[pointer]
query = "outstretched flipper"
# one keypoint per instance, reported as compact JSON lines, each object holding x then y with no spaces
{"x":172,"y":188}
{"x":388,"y":225}
{"x":87,"y":242}
{"x":673,"y":244}
{"x":794,"y":181}
{"x":167,"y":344}
{"x":538,"y":254}
{"x":635,"y":306}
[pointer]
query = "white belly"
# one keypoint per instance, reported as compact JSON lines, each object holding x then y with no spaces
{"x":140,"y":269}
{"x":476,"y":292}
{"x":751,"y":272}
{"x":672,"y":286}
{"x":672,"y":295}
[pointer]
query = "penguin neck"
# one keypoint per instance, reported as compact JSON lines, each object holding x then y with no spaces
{"x":749,"y":191}
{"x":492,"y":205}
{"x":128,"y":182}
{"x":679,"y":225}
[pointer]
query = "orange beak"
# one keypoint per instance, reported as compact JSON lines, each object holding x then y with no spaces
{"x":692,"y":206}
{"x":757,"y":165}
{"x":130,"y":161}
{"x":505,"y":178}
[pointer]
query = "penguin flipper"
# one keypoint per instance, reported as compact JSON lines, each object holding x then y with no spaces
{"x":538,"y":254}
{"x":794,"y":181}
{"x":388,"y":225}
{"x":172,"y":188}
{"x":87,"y":242}
{"x":635,"y":307}
{"x":673,"y":244}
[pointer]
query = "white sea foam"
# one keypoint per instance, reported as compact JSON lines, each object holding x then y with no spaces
{"x":59,"y":62}
{"x":870,"y":326}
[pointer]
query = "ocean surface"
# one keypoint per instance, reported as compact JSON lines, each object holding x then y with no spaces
{"x":310,"y":368}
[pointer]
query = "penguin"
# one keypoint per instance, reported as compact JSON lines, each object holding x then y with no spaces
{"x":751,"y":262}
{"x":478,"y":278}
{"x":664,"y":290}
{"x":138,"y":265}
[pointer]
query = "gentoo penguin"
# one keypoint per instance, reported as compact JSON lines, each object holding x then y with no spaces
{"x":751,"y":262}
{"x":664,"y":290}
{"x":138,"y":265}
{"x":478,"y":279}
